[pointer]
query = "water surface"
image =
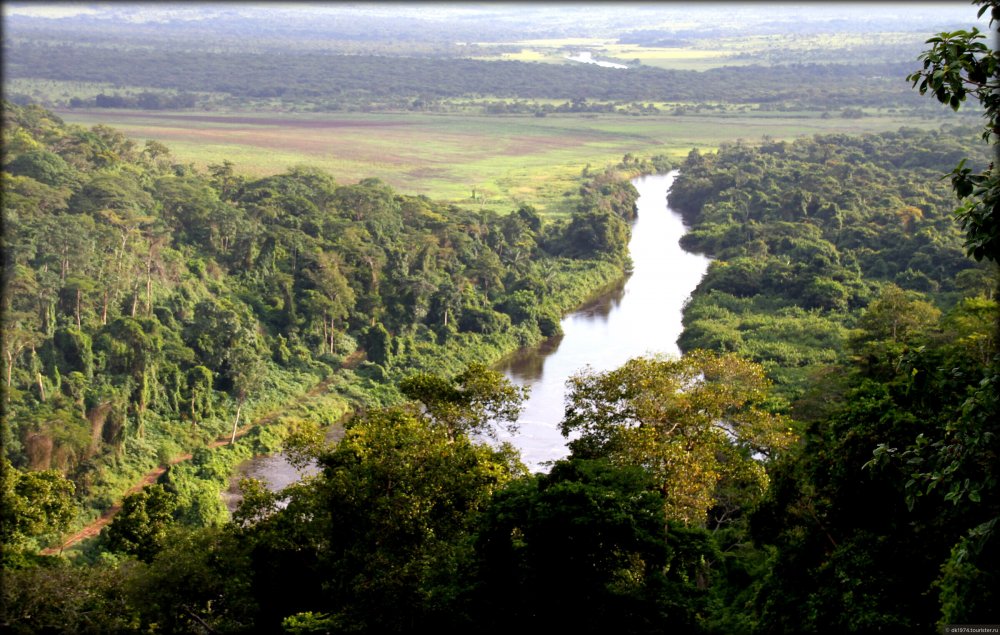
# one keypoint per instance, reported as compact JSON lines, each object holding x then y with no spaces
{"x":588,"y":58}
{"x":639,"y":317}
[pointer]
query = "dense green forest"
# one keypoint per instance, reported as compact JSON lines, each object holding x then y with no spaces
{"x":148,"y":307}
{"x":822,"y":458}
{"x":839,"y":266}
{"x":360,"y":57}
{"x":805,"y":235}
{"x":148,"y":303}
{"x":339,"y":81}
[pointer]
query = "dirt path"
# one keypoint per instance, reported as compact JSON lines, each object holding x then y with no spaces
{"x":95,"y":527}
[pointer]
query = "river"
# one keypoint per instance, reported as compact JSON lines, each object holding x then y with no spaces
{"x":639,"y":316}
{"x":587,"y":58}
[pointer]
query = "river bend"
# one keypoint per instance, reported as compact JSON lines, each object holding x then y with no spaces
{"x":639,"y":316}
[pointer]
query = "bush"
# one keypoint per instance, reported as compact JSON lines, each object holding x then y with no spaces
{"x":483,"y":321}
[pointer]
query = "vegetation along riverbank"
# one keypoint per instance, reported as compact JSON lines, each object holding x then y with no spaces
{"x":822,"y":456}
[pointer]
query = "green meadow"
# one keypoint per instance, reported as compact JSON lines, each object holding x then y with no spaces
{"x":703,"y":53}
{"x":487,"y":161}
{"x":698,"y":56}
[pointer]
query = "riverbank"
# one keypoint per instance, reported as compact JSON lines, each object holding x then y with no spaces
{"x":628,"y":316}
{"x":210,"y":473}
{"x":638,"y":317}
{"x":228,"y":449}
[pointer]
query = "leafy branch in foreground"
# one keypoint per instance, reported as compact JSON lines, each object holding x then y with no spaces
{"x":957,"y":65}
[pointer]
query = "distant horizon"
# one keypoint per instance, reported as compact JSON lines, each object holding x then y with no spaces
{"x":57,"y":10}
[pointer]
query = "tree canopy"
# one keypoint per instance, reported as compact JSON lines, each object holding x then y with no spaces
{"x":692,"y":422}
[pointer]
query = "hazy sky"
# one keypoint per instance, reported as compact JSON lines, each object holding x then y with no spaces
{"x":606,"y":18}
{"x":66,"y":9}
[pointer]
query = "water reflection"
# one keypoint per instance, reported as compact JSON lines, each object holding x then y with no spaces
{"x":601,"y":307}
{"x":638,"y":317}
{"x":588,"y":58}
{"x":274,"y":470}
{"x":528,"y":363}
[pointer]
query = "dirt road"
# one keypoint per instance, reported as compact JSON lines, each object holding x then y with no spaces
{"x":95,"y":527}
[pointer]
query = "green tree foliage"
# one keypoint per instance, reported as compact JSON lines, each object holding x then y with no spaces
{"x":863,"y":539}
{"x":892,"y":499}
{"x":693,"y":422}
{"x":585,"y":548}
{"x":957,"y":65}
{"x":378,"y":345}
{"x":389,"y":523}
{"x":891,"y":325}
{"x":608,"y":192}
{"x":958,"y":457}
{"x":36,"y":506}
{"x":142,"y":297}
{"x":199,"y":581}
{"x":341,"y":81}
{"x":805,"y":234}
{"x":401,"y":516}
{"x":41,"y":165}
{"x":594,"y":232}
{"x":140,"y":528}
{"x":331,"y":297}
{"x":149,"y":307}
{"x":63,"y":598}
{"x":471,"y":403}
{"x":897,"y":316}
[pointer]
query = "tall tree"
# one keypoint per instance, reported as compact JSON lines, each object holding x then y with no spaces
{"x":388,"y":524}
{"x":141,"y":527}
{"x":963,"y":459}
{"x":35,"y":506}
{"x":693,"y":422}
{"x":331,"y":297}
{"x":469,"y":403}
{"x":584,"y":549}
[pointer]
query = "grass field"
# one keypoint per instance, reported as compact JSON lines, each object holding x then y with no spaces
{"x":701,"y":54}
{"x":506,"y":160}
{"x":554,"y":51}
